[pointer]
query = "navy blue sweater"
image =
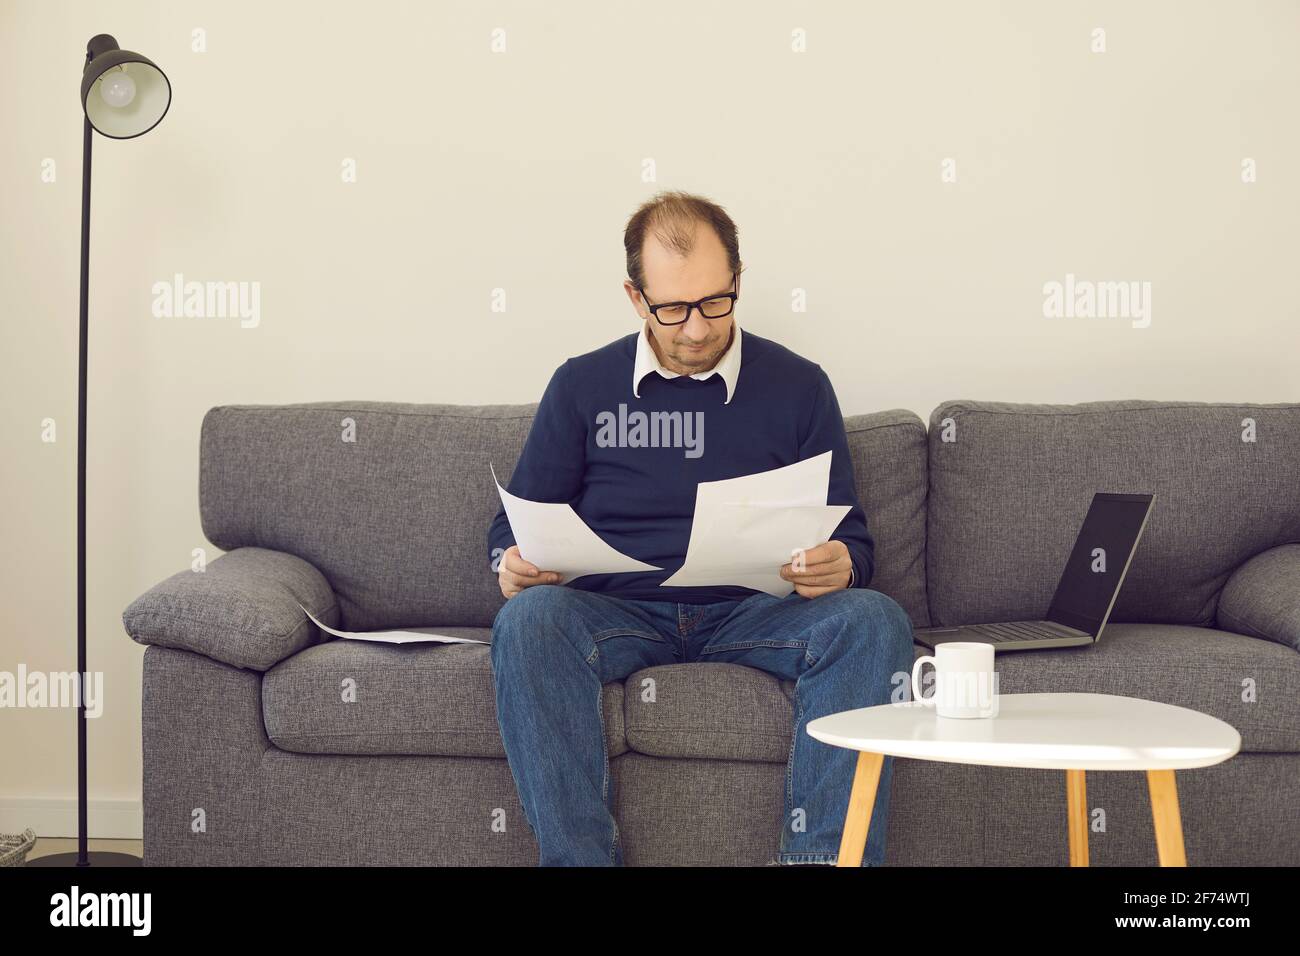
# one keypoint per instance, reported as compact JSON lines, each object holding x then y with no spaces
{"x":641,"y":499}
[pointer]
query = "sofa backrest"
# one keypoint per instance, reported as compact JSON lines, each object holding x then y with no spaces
{"x":1010,"y":484}
{"x":889,"y":468}
{"x":397,"y":518}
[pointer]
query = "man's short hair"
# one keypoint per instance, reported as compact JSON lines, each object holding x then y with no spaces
{"x":672,"y":216}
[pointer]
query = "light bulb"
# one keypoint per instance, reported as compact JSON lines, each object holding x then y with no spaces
{"x":117,"y":89}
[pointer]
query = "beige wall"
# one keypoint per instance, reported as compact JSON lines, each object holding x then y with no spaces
{"x":517,"y":170}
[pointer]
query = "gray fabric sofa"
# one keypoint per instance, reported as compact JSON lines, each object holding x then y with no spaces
{"x":265,"y":743}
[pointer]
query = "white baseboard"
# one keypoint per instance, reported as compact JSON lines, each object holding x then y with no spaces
{"x":57,"y":817}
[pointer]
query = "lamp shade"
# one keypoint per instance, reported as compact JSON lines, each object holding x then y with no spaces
{"x":123,"y":94}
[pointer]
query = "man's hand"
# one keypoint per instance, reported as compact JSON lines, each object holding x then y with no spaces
{"x":514,"y":573}
{"x":827,"y":568}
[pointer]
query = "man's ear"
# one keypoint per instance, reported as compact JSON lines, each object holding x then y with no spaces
{"x":634,"y":296}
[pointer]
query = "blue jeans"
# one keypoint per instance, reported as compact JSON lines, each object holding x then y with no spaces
{"x":553,"y":647}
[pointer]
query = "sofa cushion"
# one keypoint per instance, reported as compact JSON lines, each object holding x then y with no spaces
{"x":435,"y":699}
{"x":1262,"y":598}
{"x":1010,"y":484}
{"x":705,"y":710}
{"x":242,"y":609}
{"x":396,"y":519}
{"x":732,"y":712}
{"x":1251,"y":684}
{"x":889,"y":468}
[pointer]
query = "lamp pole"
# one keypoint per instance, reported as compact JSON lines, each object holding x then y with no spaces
{"x":82,"y":368}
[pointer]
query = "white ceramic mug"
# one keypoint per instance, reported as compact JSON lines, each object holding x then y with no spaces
{"x":965,"y":682}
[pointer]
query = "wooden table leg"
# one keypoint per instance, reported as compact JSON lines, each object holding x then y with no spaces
{"x":1076,"y":801}
{"x":1169,"y":823}
{"x":866,"y":778}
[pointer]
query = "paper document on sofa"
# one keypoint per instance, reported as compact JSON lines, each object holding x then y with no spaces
{"x":414,"y":635}
{"x":552,"y":537}
{"x":746,"y":544}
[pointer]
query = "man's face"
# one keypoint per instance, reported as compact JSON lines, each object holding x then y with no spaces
{"x":698,"y":343}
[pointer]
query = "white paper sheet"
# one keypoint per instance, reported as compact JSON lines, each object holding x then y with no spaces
{"x":552,"y":537}
{"x":414,"y":635}
{"x":745,"y":528}
{"x":803,"y":483}
{"x":746,"y":544}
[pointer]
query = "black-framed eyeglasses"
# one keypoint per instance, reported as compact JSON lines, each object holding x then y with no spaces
{"x":675,"y":313}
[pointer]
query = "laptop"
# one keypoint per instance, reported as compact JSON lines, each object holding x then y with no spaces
{"x":1086,"y":592}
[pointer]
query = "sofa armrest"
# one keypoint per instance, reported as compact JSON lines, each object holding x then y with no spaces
{"x":1262,"y":597}
{"x":242,"y":610}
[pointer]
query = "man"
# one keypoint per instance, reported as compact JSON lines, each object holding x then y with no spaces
{"x":745,"y":405}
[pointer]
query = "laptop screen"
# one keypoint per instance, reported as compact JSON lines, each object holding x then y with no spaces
{"x":1100,"y":558}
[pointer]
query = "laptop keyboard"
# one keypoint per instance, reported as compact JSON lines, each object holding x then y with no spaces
{"x":1018,"y":631}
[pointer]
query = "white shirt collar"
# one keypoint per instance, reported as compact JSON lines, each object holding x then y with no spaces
{"x":728,"y":366}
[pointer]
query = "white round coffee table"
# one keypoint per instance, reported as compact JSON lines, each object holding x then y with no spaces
{"x":1070,"y":732}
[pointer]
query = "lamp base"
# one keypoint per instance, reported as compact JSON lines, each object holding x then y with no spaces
{"x":94,"y":858}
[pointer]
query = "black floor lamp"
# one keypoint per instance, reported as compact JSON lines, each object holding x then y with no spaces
{"x":123,"y":95}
